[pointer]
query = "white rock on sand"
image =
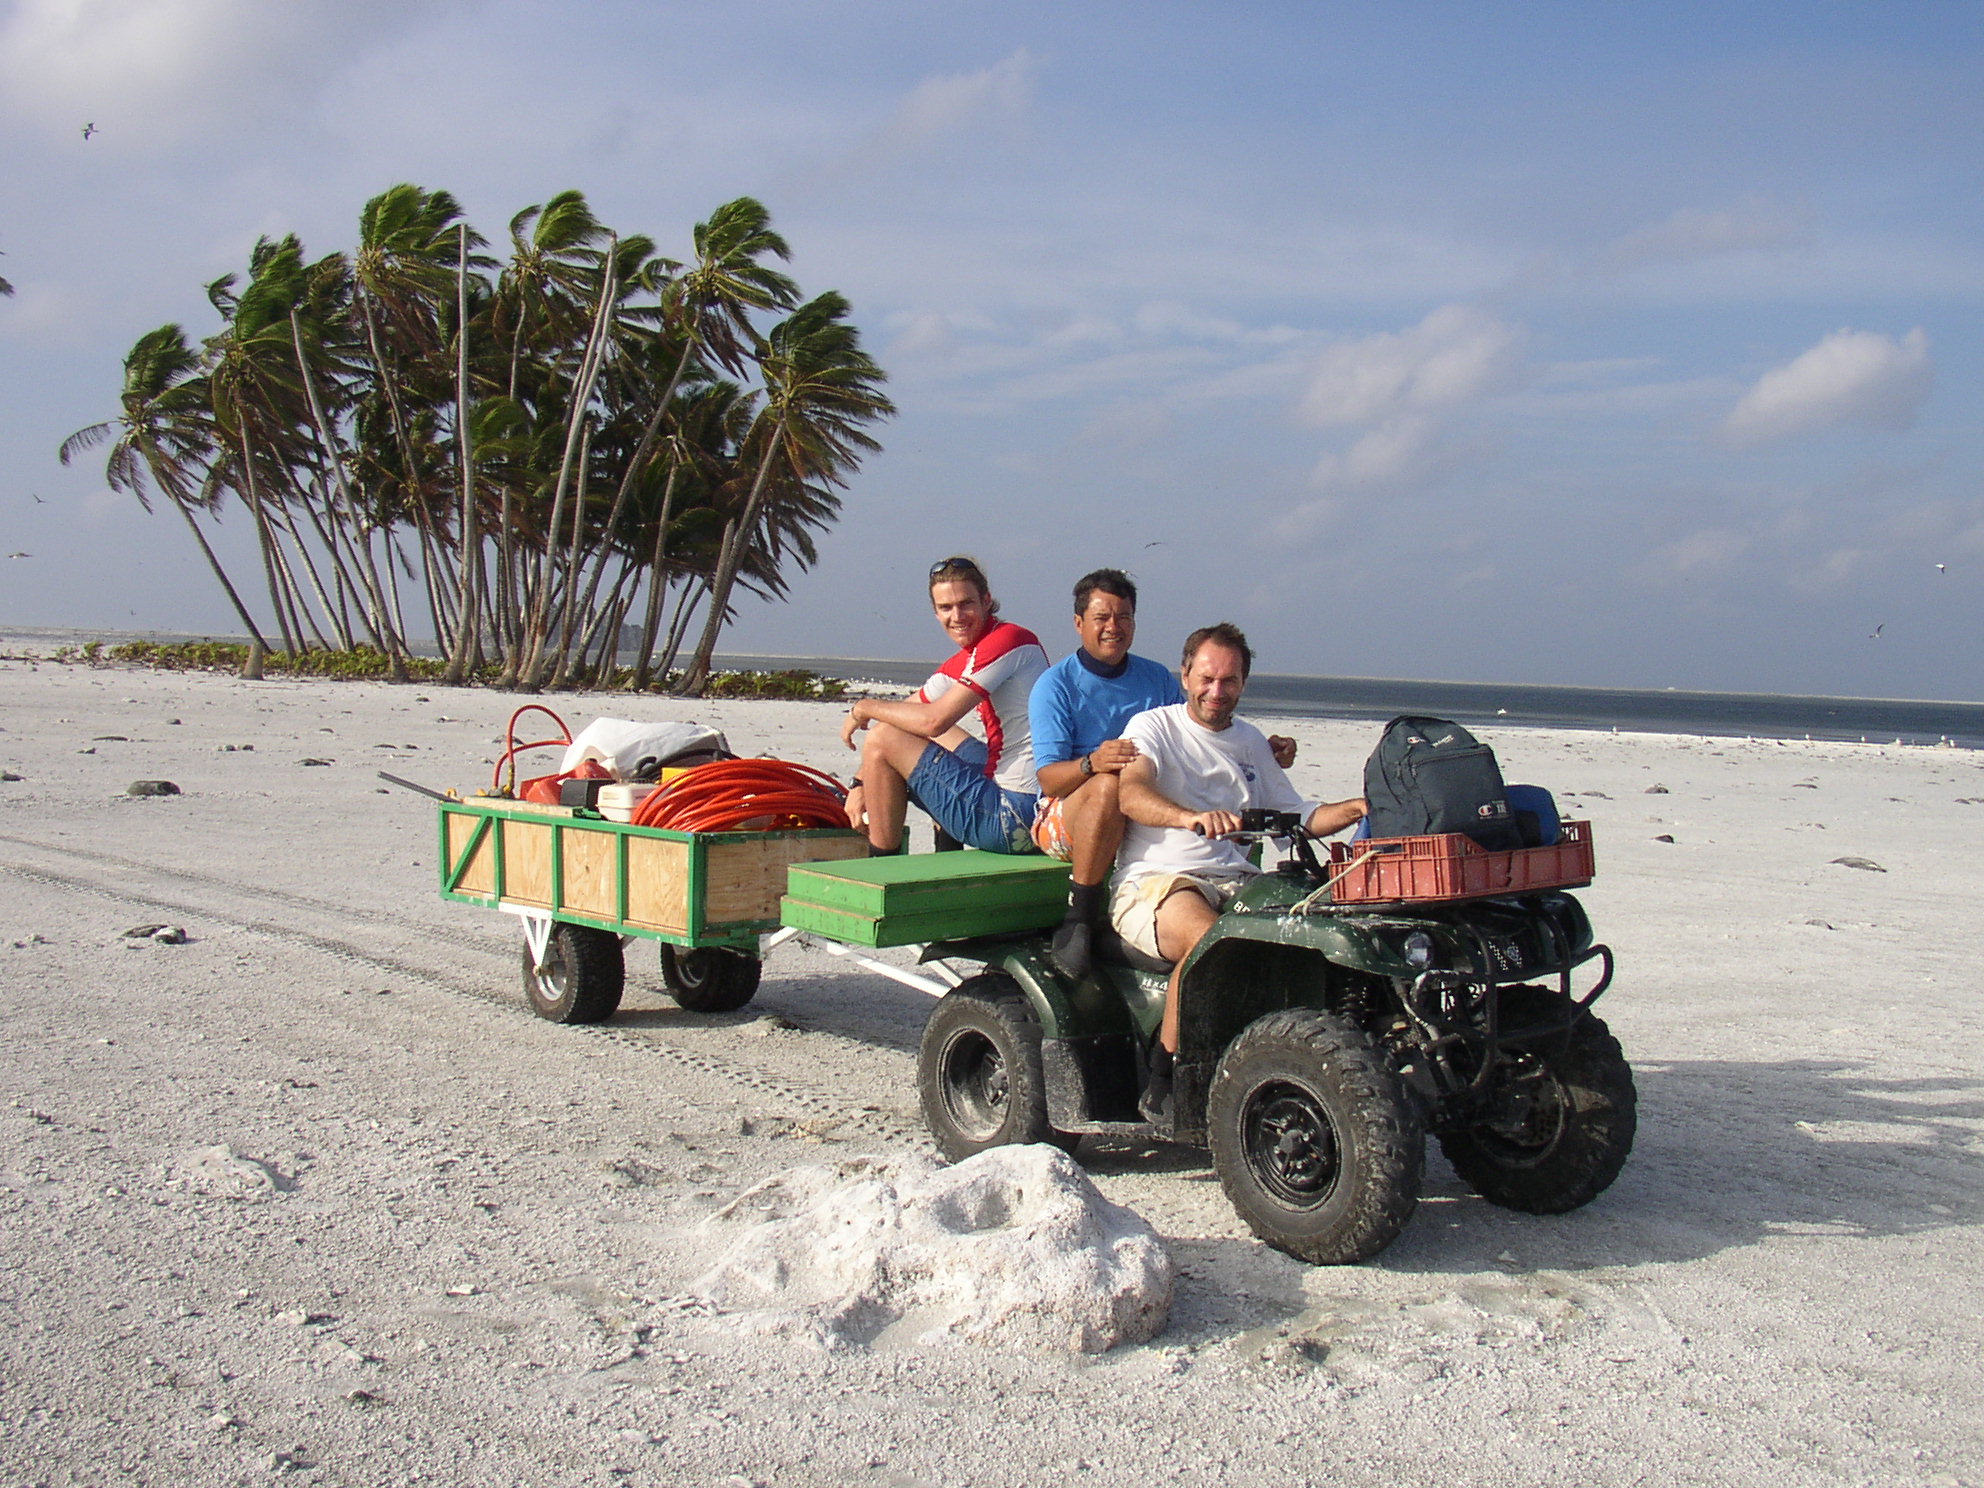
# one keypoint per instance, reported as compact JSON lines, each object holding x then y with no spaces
{"x":474,"y":1267}
{"x":1011,"y":1248}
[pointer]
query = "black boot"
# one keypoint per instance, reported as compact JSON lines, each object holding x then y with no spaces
{"x":945,"y":842}
{"x":1070,"y":947}
{"x":1155,"y":1102}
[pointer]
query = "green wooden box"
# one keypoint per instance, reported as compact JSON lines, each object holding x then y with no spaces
{"x":925,"y":896}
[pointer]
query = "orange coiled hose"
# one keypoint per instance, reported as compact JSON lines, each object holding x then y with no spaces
{"x":745,"y":795}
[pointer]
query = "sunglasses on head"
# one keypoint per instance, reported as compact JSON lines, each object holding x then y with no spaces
{"x":949,"y":565}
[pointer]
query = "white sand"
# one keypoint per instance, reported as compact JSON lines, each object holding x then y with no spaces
{"x":443,"y":1237}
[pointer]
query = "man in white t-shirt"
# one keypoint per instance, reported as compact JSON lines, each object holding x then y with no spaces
{"x":1197,"y":768}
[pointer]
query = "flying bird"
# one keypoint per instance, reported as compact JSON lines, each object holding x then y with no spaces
{"x":1876,"y":635}
{"x":20,"y":555}
{"x":89,"y":129}
{"x":1942,"y":568}
{"x":37,"y":498}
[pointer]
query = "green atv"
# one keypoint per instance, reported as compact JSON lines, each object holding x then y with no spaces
{"x":1319,"y":1045}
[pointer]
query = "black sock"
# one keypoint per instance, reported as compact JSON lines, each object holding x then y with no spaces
{"x":1085,"y":902}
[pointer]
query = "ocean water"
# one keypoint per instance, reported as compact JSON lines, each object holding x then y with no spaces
{"x":1476,"y":704}
{"x":1485,"y":704}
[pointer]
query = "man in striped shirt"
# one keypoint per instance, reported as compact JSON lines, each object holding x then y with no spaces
{"x":980,"y":790}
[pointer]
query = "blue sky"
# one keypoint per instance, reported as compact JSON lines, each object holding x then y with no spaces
{"x":1599,"y":344}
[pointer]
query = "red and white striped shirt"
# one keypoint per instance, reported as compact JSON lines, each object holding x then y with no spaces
{"x":1001,"y":669}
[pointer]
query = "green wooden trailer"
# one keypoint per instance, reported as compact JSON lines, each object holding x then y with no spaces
{"x":585,"y":887}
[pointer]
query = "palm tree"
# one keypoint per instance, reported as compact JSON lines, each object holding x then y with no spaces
{"x":164,"y":435}
{"x":820,"y":388}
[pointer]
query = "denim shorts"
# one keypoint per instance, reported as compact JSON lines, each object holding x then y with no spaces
{"x":968,"y":803}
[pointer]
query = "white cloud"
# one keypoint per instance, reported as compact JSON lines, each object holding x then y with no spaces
{"x":147,"y":71}
{"x":941,"y":106}
{"x":1402,"y":388}
{"x":1454,"y":356}
{"x":1755,"y":224}
{"x":1850,"y":377}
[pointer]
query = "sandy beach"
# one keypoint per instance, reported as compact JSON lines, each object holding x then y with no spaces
{"x":313,"y":1196}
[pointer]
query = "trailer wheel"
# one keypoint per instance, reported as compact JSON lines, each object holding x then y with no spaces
{"x":581,"y":978}
{"x":709,"y":979}
{"x":978,"y":1073}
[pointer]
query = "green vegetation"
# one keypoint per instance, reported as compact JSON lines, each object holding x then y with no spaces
{"x":368,"y":663}
{"x":528,"y":458}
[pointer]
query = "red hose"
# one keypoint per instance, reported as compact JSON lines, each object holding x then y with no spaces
{"x":510,"y":753}
{"x":745,"y":795}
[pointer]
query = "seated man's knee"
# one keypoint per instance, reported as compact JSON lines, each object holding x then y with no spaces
{"x":1099,"y":800}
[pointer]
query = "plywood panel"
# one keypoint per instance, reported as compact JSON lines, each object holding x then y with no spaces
{"x":588,"y":867}
{"x":481,"y":875}
{"x":658,"y":884}
{"x":526,"y":862}
{"x":745,"y":879}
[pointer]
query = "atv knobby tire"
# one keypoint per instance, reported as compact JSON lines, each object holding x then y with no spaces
{"x":709,"y":979}
{"x":978,"y":1075}
{"x":1314,"y":1139}
{"x":1561,"y":1112}
{"x":582,"y":976}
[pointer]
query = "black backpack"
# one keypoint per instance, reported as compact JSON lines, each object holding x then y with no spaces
{"x":1428,"y":776}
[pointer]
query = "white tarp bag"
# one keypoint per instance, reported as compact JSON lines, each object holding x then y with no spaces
{"x":634,"y":751}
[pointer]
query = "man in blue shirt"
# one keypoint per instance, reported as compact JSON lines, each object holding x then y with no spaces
{"x":1078,"y":709}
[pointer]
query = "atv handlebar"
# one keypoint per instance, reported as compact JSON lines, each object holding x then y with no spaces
{"x":1260,"y":823}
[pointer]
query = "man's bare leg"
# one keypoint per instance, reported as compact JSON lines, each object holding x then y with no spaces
{"x":888,"y":756}
{"x":1182,"y":919}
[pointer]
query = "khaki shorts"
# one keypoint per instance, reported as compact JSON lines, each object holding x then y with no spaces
{"x":1133,"y":907}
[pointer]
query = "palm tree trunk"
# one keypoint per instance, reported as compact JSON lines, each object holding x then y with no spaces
{"x":258,"y":646}
{"x":466,"y":639}
{"x":730,"y":555}
{"x":575,"y":425}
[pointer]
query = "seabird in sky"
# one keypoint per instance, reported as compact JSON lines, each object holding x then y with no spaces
{"x":88,"y":130}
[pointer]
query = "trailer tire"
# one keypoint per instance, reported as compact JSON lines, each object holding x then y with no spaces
{"x":978,"y":1074}
{"x":709,"y":979}
{"x":582,"y":977}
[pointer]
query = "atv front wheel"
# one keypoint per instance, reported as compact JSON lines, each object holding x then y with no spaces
{"x":1314,"y":1139}
{"x":1560,"y":1112}
{"x":978,"y":1075}
{"x":709,"y":979}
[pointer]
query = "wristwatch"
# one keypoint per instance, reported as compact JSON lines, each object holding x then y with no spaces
{"x":1088,"y":764}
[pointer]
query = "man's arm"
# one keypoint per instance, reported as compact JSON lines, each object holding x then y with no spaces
{"x":927,"y":720}
{"x":1333,"y":816}
{"x":1107,"y":758}
{"x":1141,"y":801}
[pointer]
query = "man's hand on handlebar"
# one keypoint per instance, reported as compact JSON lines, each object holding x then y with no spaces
{"x":1258,"y":822}
{"x":1216,"y":823}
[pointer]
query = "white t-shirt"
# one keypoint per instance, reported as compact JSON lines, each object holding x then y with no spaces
{"x":1200,"y":770}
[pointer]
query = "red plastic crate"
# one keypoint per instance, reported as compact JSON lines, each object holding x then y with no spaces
{"x":1395,"y":870}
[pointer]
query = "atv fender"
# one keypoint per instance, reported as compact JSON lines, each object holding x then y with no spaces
{"x":1085,"y":1009}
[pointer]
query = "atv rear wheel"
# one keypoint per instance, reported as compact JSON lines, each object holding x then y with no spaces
{"x":709,"y":979}
{"x":1560,"y":1114}
{"x":978,"y":1075}
{"x":1314,"y":1139}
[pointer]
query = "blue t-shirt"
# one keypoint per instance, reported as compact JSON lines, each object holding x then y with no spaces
{"x":1077,"y":704}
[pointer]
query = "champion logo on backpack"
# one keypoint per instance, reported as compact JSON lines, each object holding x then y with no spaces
{"x":1430,"y":775}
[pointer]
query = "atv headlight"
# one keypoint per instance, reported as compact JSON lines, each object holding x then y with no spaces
{"x":1417,"y":949}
